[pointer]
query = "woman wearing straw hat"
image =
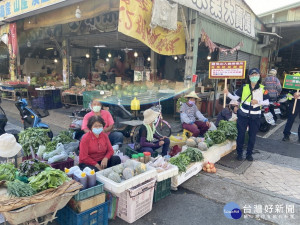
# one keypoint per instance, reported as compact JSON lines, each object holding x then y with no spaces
{"x":149,"y":141}
{"x":188,"y":115}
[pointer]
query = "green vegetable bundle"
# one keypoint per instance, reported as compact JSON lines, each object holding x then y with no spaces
{"x":49,"y":178}
{"x":31,"y":167}
{"x":194,"y":154}
{"x":33,"y":137}
{"x":217,"y":136}
{"x":7,"y":171}
{"x":181,"y":161}
{"x":63,"y":137}
{"x":19,"y":189}
{"x":229,"y":128}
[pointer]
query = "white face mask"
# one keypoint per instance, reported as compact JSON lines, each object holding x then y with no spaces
{"x":96,"y":108}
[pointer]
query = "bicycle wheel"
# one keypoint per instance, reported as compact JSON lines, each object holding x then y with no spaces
{"x":163,"y":129}
{"x":134,"y":134}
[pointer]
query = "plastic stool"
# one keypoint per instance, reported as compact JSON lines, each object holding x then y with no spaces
{"x":187,"y":133}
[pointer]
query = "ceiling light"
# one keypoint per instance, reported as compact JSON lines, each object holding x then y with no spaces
{"x":28,"y":44}
{"x":87,"y":55}
{"x":55,"y":60}
{"x":100,"y":46}
{"x":78,"y":13}
{"x":107,"y":59}
{"x":48,"y":49}
{"x":175,"y":57}
{"x":209,"y":57}
{"x":98,"y":51}
{"x":135,"y":54}
{"x":109,"y":55}
{"x":148,"y":59}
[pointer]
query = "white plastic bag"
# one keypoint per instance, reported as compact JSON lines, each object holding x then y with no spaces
{"x":71,"y":147}
{"x":41,"y":151}
{"x":212,"y":126}
{"x":58,"y":158}
{"x":59,"y":149}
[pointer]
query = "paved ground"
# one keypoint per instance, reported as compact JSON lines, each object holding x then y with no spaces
{"x":268,"y":190}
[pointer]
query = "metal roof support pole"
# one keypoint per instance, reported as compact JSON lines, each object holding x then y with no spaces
{"x":196,"y":43}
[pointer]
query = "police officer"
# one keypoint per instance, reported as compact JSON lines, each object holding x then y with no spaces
{"x":291,"y":117}
{"x":253,"y":96}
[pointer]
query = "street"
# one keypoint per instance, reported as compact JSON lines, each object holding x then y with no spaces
{"x":272,"y":179}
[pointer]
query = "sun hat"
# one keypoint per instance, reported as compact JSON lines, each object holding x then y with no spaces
{"x":253,"y":70}
{"x":9,"y":146}
{"x":272,"y":72}
{"x":150,"y":116}
{"x":192,"y":95}
{"x":234,"y":102}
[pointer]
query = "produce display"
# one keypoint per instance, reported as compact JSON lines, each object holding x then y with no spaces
{"x":7,"y":172}
{"x":209,"y":167}
{"x":19,"y":189}
{"x":49,"y":178}
{"x":124,"y":171}
{"x":229,"y":128}
{"x":160,"y":164}
{"x":185,"y":158}
{"x":33,"y":137}
{"x":31,"y":167}
{"x":63,"y":137}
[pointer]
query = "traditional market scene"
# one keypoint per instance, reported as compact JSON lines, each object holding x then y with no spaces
{"x":159,"y":112}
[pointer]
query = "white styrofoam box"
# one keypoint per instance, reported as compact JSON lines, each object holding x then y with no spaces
{"x":216,"y":152}
{"x":173,"y":171}
{"x":118,"y":188}
{"x":2,"y":219}
{"x":136,"y":201}
{"x":192,"y":170}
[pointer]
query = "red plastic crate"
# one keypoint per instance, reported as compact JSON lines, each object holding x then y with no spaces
{"x":62,"y":165}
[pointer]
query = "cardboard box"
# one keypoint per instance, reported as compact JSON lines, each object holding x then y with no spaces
{"x":83,"y":205}
{"x":118,"y":80}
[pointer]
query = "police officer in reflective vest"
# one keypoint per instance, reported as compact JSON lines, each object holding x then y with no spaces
{"x":253,"y":97}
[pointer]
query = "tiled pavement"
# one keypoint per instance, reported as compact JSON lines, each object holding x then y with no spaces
{"x":270,"y":177}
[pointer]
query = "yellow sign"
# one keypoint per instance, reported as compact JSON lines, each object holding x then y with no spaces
{"x":134,"y":20}
{"x":12,"y":8}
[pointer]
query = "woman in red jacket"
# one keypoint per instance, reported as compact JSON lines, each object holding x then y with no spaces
{"x":96,"y":151}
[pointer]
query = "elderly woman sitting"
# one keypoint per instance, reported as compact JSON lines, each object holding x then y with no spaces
{"x":148,"y":140}
{"x":189,"y":113}
{"x":96,"y":151}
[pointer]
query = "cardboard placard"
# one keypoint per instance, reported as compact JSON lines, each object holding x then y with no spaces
{"x":227,"y":69}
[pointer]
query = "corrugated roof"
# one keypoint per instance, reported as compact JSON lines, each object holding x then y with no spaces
{"x":280,"y":9}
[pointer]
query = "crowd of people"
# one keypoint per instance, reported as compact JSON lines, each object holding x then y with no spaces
{"x":96,"y":149}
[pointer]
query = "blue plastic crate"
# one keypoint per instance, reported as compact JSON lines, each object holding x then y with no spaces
{"x":95,"y":216}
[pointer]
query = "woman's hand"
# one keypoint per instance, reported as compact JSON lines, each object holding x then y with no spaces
{"x":208,"y":123}
{"x":161,"y":143}
{"x":254,"y":102}
{"x":296,"y":95}
{"x":225,"y":91}
{"x":162,"y":138}
{"x":98,"y":166}
{"x":104,"y":163}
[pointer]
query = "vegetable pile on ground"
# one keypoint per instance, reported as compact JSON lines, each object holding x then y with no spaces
{"x":49,"y":178}
{"x":31,"y":167}
{"x":124,"y":171}
{"x":63,"y":137}
{"x":217,"y":136}
{"x":7,"y":172}
{"x":186,"y":157}
{"x":229,"y":128}
{"x":19,"y":189}
{"x":33,"y":137}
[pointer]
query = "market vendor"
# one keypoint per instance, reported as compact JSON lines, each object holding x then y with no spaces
{"x":189,"y":113}
{"x":96,"y":151}
{"x":228,"y":113}
{"x":116,"y":138}
{"x":253,"y":96}
{"x":149,"y":141}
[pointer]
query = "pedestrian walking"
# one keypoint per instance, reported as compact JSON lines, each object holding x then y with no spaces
{"x":253,"y":96}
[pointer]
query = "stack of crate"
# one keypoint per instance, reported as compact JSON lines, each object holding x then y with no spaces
{"x":87,"y":207}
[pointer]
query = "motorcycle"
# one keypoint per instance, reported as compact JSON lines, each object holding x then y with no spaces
{"x":266,"y":119}
{"x":284,"y":105}
{"x":31,"y":117}
{"x":3,"y":123}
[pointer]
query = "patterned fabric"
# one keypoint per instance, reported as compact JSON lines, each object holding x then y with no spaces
{"x":272,"y":84}
{"x":189,"y":113}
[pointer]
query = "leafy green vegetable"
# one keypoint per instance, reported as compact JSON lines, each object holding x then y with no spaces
{"x":49,"y":178}
{"x":51,"y":146}
{"x":229,"y":128}
{"x":33,"y":137}
{"x":19,"y":189}
{"x":7,"y":171}
{"x":31,"y":167}
{"x":181,"y":161}
{"x":63,"y":137}
{"x":217,"y":136}
{"x":180,"y":101}
{"x":194,"y":154}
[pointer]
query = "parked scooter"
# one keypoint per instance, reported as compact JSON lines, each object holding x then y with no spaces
{"x":266,"y":119}
{"x":284,"y":105}
{"x":31,"y":117}
{"x":3,"y":123}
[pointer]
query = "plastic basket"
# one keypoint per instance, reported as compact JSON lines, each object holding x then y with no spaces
{"x":162,"y":190}
{"x":136,"y":202}
{"x":90,"y":192}
{"x":129,"y":151}
{"x":94,"y":216}
{"x":62,"y":165}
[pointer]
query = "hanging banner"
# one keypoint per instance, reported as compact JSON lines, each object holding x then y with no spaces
{"x":233,"y":13}
{"x":12,"y":38}
{"x":264,"y":66}
{"x":134,"y":20}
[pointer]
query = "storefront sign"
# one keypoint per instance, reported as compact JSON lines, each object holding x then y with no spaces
{"x":292,"y":82}
{"x":134,"y":20}
{"x":229,"y":70}
{"x":12,"y":8}
{"x":233,"y":13}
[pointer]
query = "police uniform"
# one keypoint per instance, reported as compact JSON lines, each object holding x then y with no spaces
{"x":249,"y":115}
{"x":291,"y":117}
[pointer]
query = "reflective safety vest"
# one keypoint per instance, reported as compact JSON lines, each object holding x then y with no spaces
{"x":289,"y":96}
{"x":245,"y":105}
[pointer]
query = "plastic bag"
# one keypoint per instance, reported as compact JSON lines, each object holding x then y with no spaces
{"x":212,"y":126}
{"x":59,"y":149}
{"x":58,"y":158}
{"x":41,"y":150}
{"x":175,"y":150}
{"x":71,"y":147}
